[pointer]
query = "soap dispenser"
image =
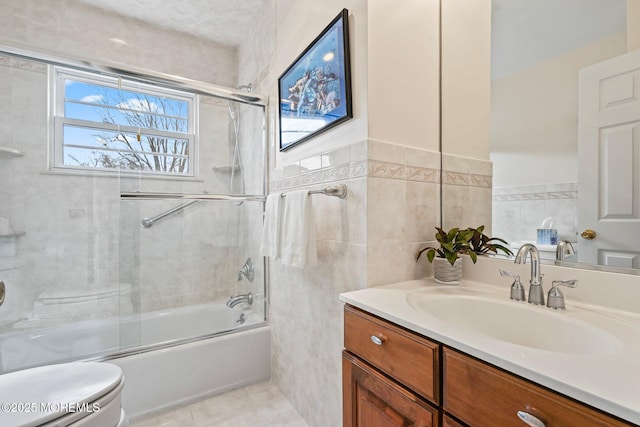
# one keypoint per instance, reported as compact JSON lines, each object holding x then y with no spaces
{"x":517,"y":290}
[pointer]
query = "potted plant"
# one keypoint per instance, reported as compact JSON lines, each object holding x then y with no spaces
{"x":447,"y":264}
{"x":481,"y":244}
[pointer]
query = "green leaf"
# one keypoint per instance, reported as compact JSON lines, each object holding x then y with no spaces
{"x":469,"y":241}
{"x":451,"y":257}
{"x":448,"y":247}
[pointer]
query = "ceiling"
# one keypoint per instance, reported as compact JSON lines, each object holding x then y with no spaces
{"x":525,"y":32}
{"x":223,"y":21}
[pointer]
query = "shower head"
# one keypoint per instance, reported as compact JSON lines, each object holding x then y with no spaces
{"x":247,"y":87}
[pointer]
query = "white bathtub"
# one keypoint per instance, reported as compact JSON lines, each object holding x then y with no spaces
{"x":237,"y":352}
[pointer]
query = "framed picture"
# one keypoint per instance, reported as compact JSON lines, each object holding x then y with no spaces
{"x":315,"y":91}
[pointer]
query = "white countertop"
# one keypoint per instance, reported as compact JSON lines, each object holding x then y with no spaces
{"x":609,"y":381}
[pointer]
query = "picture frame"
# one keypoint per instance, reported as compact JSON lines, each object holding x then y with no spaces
{"x":314,"y":92}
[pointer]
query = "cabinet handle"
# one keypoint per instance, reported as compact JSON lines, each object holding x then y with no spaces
{"x":378,"y":339}
{"x":530,"y":420}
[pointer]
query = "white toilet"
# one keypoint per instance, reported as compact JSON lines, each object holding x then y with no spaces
{"x":71,"y":394}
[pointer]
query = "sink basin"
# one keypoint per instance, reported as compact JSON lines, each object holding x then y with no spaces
{"x":516,"y":323}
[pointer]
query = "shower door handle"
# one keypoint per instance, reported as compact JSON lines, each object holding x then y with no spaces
{"x":2,"y":292}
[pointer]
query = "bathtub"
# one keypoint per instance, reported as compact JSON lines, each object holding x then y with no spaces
{"x":183,"y":373}
{"x":161,"y":367}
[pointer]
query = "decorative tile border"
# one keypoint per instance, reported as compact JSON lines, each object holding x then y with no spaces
{"x":389,"y":170}
{"x":381,"y":169}
{"x":339,"y":173}
{"x":467,"y":180}
{"x":423,"y":174}
{"x":359,"y":169}
{"x":551,"y":195}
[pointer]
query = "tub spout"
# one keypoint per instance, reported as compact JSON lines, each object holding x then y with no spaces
{"x":239,"y":299}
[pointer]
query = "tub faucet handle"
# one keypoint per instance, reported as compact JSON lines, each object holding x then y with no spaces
{"x":517,"y":290}
{"x":247,"y":271}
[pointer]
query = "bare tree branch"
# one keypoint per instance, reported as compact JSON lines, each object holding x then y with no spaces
{"x":146,"y":114}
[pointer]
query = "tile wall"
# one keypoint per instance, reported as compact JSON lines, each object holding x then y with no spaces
{"x":74,"y":241}
{"x":367,"y":239}
{"x":467,"y":193}
{"x":519,"y":211}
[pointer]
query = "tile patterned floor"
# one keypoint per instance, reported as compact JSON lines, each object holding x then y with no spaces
{"x":255,"y":405}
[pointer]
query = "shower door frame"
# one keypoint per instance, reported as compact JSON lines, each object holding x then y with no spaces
{"x":111,"y":68}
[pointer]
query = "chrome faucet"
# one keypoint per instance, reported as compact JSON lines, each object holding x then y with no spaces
{"x":246,"y":270}
{"x":564,"y":248}
{"x":536,"y":294}
{"x":239,"y":299}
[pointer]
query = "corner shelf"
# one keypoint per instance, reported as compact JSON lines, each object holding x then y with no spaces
{"x":8,"y":153}
{"x":15,"y":234}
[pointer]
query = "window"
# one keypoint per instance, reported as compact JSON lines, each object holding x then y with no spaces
{"x":111,"y":124}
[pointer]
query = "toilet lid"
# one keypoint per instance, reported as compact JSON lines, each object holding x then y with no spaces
{"x":34,"y":396}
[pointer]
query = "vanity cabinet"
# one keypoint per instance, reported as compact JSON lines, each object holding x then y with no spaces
{"x":479,"y":395}
{"x":395,"y":377}
{"x":390,"y":375}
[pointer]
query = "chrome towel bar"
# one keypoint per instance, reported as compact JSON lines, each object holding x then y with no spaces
{"x":201,"y":197}
{"x":194,"y":198}
{"x":339,"y":190}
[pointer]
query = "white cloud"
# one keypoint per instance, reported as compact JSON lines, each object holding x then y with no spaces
{"x":139,"y":105}
{"x":92,"y":98}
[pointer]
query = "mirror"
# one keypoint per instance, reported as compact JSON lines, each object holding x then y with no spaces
{"x":561,"y":131}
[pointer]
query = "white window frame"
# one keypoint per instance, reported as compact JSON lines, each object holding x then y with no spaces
{"x":58,"y":121}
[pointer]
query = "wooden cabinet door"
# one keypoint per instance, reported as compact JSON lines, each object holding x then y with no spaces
{"x":447,"y":421}
{"x":370,"y":399}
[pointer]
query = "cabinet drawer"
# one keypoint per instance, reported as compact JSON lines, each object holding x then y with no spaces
{"x":482,"y":395}
{"x":409,"y":358}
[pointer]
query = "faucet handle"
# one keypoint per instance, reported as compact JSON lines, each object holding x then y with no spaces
{"x":568,"y":283}
{"x":517,"y":290}
{"x":555,"y":298}
{"x":510,"y":274}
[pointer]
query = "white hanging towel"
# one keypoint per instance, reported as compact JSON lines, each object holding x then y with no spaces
{"x":298,"y":230}
{"x":271,"y":228}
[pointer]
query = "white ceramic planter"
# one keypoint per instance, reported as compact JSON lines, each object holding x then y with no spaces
{"x":445,"y":273}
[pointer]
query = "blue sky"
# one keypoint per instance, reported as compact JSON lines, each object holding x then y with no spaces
{"x":120,"y":100}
